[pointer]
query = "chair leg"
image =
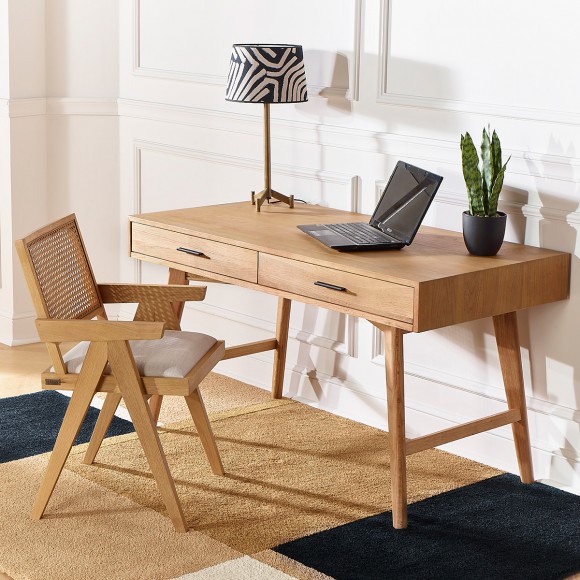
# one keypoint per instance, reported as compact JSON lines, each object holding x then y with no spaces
{"x":82,"y":396}
{"x":105,"y":417}
{"x":204,"y":430}
{"x":125,"y":371}
{"x":155,"y":405}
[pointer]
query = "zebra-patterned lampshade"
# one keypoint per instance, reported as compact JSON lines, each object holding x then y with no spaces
{"x":266,"y":73}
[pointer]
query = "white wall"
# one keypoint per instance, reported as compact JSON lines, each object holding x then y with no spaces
{"x":82,"y":86}
{"x":23,"y":186}
{"x":58,"y":136}
{"x":388,"y":80}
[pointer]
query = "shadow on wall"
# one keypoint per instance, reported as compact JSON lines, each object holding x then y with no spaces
{"x":555,"y":366}
{"x":517,"y":223}
{"x":328,"y":76}
{"x":329,"y":88}
{"x":404,"y":81}
{"x":412,"y":78}
{"x":313,"y":361}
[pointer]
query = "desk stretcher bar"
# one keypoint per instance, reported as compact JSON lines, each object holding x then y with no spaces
{"x":461,"y":431}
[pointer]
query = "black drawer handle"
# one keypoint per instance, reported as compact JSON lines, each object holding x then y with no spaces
{"x":330,"y":286}
{"x":191,"y":252}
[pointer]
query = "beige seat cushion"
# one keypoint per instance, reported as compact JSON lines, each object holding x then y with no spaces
{"x":173,"y":355}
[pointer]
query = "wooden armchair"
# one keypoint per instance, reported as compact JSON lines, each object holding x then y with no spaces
{"x":132,"y":360}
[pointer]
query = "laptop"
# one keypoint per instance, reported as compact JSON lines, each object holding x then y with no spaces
{"x":396,"y":218}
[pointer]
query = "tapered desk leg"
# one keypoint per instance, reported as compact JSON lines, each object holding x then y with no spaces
{"x":508,"y":346}
{"x":393,"y":341}
{"x":282,"y":324}
{"x":175,"y":277}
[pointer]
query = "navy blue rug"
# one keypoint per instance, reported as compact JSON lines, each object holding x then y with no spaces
{"x":498,"y":529}
{"x":29,"y":424}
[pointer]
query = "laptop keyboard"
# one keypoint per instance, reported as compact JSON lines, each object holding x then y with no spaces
{"x":361,"y":233}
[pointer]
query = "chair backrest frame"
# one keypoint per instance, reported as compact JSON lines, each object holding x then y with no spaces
{"x":37,"y":262}
{"x":58,"y":272}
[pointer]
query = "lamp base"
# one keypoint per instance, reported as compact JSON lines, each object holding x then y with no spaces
{"x":258,"y":199}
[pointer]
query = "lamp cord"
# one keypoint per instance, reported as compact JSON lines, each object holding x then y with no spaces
{"x":298,"y":200}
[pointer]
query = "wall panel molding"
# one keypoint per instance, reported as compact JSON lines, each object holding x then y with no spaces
{"x":220,"y":80}
{"x":139,"y":70}
{"x":552,"y":214}
{"x":239,"y":161}
{"x":432,"y":150}
{"x":82,"y":106}
{"x":34,"y":107}
{"x":354,"y":84}
{"x":26,"y":107}
{"x":486,"y":390}
{"x":388,"y":97}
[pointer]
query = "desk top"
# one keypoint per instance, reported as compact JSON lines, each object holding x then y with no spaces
{"x":449,"y":284}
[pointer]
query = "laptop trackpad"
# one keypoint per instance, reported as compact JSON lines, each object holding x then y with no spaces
{"x":329,"y":238}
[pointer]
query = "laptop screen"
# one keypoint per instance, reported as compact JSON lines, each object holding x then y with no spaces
{"x":405,"y":201}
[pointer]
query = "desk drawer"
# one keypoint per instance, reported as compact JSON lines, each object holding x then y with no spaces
{"x":195,"y":252}
{"x":337,"y":287}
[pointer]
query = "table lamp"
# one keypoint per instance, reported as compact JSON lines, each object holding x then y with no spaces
{"x":267,"y":73}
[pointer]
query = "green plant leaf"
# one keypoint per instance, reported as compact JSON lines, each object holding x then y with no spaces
{"x":495,"y":155}
{"x":472,"y":175}
{"x":496,"y":190}
{"x":486,"y":169}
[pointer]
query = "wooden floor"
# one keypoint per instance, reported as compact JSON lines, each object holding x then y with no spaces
{"x":20,"y":368}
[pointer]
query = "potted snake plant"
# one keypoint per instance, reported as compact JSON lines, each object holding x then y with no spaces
{"x":483,"y":225}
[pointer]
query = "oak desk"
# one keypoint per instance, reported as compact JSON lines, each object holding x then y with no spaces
{"x":431,"y":284}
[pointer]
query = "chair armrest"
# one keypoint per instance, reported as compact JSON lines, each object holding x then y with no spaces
{"x":97,"y":330}
{"x":118,"y":293}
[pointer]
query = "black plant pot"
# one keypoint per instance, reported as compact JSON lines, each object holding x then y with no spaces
{"x":483,"y":236}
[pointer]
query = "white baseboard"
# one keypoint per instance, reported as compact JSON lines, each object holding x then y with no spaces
{"x":17,"y":330}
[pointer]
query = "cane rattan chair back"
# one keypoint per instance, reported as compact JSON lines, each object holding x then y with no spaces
{"x":63,"y":286}
{"x":134,"y":360}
